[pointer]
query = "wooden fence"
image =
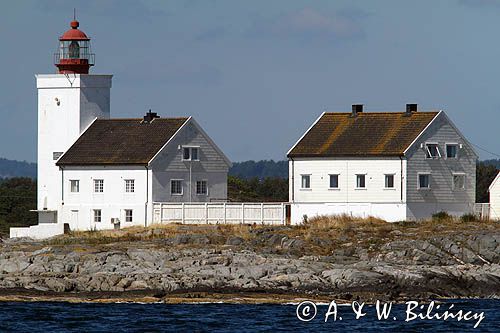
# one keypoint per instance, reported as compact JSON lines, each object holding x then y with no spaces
{"x":482,"y":210}
{"x":219,"y":213}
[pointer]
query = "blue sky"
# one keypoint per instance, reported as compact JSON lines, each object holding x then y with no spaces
{"x":256,"y":74}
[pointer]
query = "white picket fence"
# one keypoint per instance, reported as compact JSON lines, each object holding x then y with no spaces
{"x":219,"y":213}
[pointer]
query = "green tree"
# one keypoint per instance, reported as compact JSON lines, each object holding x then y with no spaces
{"x":256,"y":190}
{"x":485,"y":173}
{"x":17,"y":197}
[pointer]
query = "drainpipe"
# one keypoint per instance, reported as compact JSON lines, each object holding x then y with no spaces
{"x":62,"y":193}
{"x":292,"y":180}
{"x":190,"y":182}
{"x":62,"y":185}
{"x":147,"y":198}
{"x":401,"y":158}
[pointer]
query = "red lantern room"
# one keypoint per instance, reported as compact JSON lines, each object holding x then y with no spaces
{"x":74,"y":54}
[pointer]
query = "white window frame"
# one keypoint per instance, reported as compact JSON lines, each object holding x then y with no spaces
{"x":357,"y":175}
{"x":418,"y":180}
{"x":393,"y":181}
{"x":428,"y":151}
{"x":127,"y":216}
{"x":446,"y":150}
{"x":206,"y":187}
{"x":97,"y":215}
{"x":129,"y":185}
{"x":182,"y":187}
{"x":100,"y":187}
{"x":453,"y":181}
{"x":330,"y":181}
{"x":74,"y":181}
{"x":190,"y":149}
{"x":302,"y":182}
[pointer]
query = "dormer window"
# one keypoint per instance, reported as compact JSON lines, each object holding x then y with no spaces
{"x":432,"y":150}
{"x":190,"y":153}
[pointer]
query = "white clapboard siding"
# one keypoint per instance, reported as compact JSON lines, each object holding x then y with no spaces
{"x":219,"y":213}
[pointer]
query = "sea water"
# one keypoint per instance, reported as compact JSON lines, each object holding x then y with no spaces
{"x":212,"y":317}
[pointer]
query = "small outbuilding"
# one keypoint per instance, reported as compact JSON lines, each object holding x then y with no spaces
{"x":494,"y":190}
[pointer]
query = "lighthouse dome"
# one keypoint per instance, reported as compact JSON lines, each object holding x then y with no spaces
{"x":74,"y":33}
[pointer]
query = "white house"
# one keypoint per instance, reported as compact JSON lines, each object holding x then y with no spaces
{"x":97,"y":173}
{"x":494,"y":190}
{"x":393,"y":165}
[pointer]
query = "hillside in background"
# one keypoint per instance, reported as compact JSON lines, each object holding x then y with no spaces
{"x":261,"y":169}
{"x":10,"y":168}
{"x":245,"y":170}
{"x":495,"y":163}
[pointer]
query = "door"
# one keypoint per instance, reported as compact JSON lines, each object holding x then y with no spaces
{"x":74,"y":220}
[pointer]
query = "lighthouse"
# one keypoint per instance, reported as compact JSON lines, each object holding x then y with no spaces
{"x":68,"y":102}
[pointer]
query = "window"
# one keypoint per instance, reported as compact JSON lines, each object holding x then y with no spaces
{"x":306,"y":181}
{"x":98,"y":185}
{"x":432,"y":150}
{"x":176,"y":186}
{"x":424,"y":180}
{"x":194,"y":154}
{"x":334,"y":181}
{"x":74,"y":186}
{"x":129,"y":185}
{"x":128,"y":215}
{"x":97,"y":215}
{"x":56,"y":155}
{"x":459,"y":181}
{"x":190,"y":153}
{"x":451,"y":151}
{"x":201,"y":187}
{"x":360,"y":181}
{"x":389,"y":181}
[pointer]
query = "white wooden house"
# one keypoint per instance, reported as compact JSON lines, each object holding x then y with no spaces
{"x":494,"y":191}
{"x":97,"y":173}
{"x":393,"y":165}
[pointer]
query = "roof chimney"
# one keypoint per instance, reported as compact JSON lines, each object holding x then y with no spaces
{"x":356,"y":108}
{"x":150,"y":116}
{"x":410,"y":108}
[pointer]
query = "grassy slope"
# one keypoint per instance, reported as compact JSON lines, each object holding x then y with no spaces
{"x":320,"y":236}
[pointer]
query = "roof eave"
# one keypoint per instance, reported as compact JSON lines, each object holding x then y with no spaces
{"x":102,"y":164}
{"x":343,"y":155}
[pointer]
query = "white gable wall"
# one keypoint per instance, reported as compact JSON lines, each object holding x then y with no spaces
{"x":495,"y":199}
{"x":168,"y":165}
{"x":441,"y":196}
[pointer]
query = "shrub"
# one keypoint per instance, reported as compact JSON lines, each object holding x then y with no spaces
{"x":468,"y":218}
{"x":441,"y":216}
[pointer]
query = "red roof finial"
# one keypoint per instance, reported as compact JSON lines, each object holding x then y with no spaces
{"x":74,"y":24}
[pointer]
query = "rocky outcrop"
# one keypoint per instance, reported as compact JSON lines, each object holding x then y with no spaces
{"x":433,"y":267}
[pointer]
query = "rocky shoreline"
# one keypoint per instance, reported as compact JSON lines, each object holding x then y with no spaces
{"x":270,"y":267}
{"x":346,"y":260}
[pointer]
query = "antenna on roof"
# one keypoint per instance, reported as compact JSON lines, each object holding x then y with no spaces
{"x":74,"y":14}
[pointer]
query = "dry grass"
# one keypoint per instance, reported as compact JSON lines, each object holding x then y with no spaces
{"x":320,"y":235}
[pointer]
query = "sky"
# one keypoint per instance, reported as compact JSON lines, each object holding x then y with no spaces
{"x":256,"y":74}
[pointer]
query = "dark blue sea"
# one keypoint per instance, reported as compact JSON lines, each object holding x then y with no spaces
{"x":133,"y":317}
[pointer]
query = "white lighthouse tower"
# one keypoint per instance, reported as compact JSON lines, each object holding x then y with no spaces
{"x":68,"y":102}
